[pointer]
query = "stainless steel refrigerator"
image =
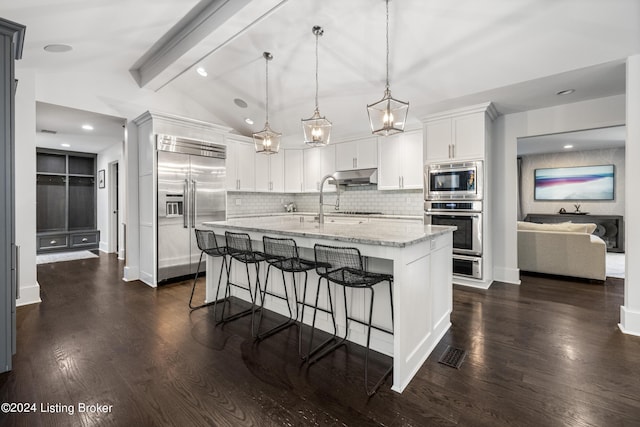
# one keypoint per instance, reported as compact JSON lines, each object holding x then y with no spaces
{"x":191,"y":190}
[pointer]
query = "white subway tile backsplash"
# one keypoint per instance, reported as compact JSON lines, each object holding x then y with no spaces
{"x":399,"y":202}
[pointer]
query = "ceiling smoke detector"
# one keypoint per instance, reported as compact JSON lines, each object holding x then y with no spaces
{"x":240,"y":103}
{"x":57,"y":48}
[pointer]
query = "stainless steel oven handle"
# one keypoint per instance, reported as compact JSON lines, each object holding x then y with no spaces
{"x":453,"y":213}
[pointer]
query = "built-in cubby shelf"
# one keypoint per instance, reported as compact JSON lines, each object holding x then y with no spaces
{"x":65,"y":201}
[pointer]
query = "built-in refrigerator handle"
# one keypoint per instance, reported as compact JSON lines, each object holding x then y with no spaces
{"x":193,"y":203}
{"x":185,"y":218}
{"x":17,"y":270}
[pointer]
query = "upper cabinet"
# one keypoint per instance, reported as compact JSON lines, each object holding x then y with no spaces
{"x":269,"y":172}
{"x":400,"y":164}
{"x":458,"y":134}
{"x":358,"y":154}
{"x":318,"y":162}
{"x":293,"y":171}
{"x":240,"y":168}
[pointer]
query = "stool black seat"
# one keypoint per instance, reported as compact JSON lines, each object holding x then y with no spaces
{"x":240,"y":249}
{"x":208,"y":244}
{"x":282,"y":254}
{"x":343,"y":266}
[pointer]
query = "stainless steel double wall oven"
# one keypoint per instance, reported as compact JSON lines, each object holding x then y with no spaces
{"x":453,"y":196}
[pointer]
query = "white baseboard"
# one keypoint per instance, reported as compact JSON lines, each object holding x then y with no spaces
{"x":29,"y":295}
{"x":147,"y":279}
{"x":629,"y":321}
{"x":131,"y":274}
{"x":104,"y":247}
{"x":473,"y":283}
{"x":507,"y":275}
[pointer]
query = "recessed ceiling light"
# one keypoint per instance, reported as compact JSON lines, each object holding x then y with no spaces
{"x":240,"y":103}
{"x":64,"y":144}
{"x":248,"y":121}
{"x":202,"y":71}
{"x":565,"y":92}
{"x":87,"y":127}
{"x":568,"y":146}
{"x":57,"y":48}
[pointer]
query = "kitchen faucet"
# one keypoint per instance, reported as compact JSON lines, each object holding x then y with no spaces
{"x":336,"y":205}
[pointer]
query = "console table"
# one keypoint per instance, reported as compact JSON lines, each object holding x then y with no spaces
{"x":608,"y":227}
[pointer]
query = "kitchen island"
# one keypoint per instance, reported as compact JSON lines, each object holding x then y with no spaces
{"x":419,"y":257}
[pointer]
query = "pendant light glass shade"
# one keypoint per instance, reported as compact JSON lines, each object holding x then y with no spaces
{"x":387,"y":116}
{"x":267,"y":141}
{"x":317,"y":129}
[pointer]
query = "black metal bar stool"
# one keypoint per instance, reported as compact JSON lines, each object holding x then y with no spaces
{"x":208,"y":244}
{"x":343,"y":266}
{"x":283,"y":255}
{"x":240,"y":249}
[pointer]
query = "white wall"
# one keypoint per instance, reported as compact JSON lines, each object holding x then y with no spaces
{"x":630,"y":311}
{"x":611,"y":156}
{"x":105,"y":158}
{"x":596,"y":113}
{"x":25,"y":181}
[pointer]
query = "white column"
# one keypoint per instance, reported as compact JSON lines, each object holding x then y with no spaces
{"x":630,"y":311}
{"x":25,"y":184}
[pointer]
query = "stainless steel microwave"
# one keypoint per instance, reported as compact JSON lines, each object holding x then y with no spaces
{"x":454,"y":181}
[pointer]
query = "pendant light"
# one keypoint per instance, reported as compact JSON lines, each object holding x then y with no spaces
{"x":317,"y":129}
{"x":267,"y":141}
{"x":388,"y":115}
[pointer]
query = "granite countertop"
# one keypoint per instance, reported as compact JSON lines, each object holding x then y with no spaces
{"x":297,"y":225}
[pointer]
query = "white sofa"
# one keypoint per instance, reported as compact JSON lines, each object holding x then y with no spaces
{"x":564,"y":249}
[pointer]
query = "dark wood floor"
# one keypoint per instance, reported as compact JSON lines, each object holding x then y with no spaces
{"x":546,"y":353}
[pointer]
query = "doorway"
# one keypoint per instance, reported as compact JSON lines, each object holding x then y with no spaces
{"x":566,"y":150}
{"x":114,"y":208}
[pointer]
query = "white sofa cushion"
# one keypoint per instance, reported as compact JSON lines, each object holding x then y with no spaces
{"x":568,"y":227}
{"x":562,"y":253}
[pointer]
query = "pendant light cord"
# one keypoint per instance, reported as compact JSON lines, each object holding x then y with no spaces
{"x":267,"y":86}
{"x":387,"y":44}
{"x":317,"y":33}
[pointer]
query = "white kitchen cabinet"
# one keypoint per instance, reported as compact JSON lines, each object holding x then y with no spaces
{"x":240,"y":164}
{"x":400,"y":165}
{"x":358,"y":154}
{"x":311,"y":168}
{"x":269,"y":172}
{"x":458,"y":134}
{"x":318,"y":162}
{"x":293,"y":175}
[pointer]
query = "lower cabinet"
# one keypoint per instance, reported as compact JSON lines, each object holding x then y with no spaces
{"x":52,"y":242}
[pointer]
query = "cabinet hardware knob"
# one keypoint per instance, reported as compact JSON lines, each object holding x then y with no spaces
{"x":84,"y":240}
{"x":53,"y":242}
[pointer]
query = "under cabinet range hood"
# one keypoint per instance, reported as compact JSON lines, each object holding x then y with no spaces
{"x":356,"y":177}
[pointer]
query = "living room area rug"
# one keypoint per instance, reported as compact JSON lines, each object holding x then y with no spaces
{"x":64,"y":256}
{"x":615,"y":265}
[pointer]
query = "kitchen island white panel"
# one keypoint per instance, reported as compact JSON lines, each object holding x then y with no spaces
{"x":419,"y":257}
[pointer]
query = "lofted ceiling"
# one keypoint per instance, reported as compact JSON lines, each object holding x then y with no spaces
{"x":443,"y":55}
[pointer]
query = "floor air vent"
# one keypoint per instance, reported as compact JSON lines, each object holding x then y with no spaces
{"x":452,"y":357}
